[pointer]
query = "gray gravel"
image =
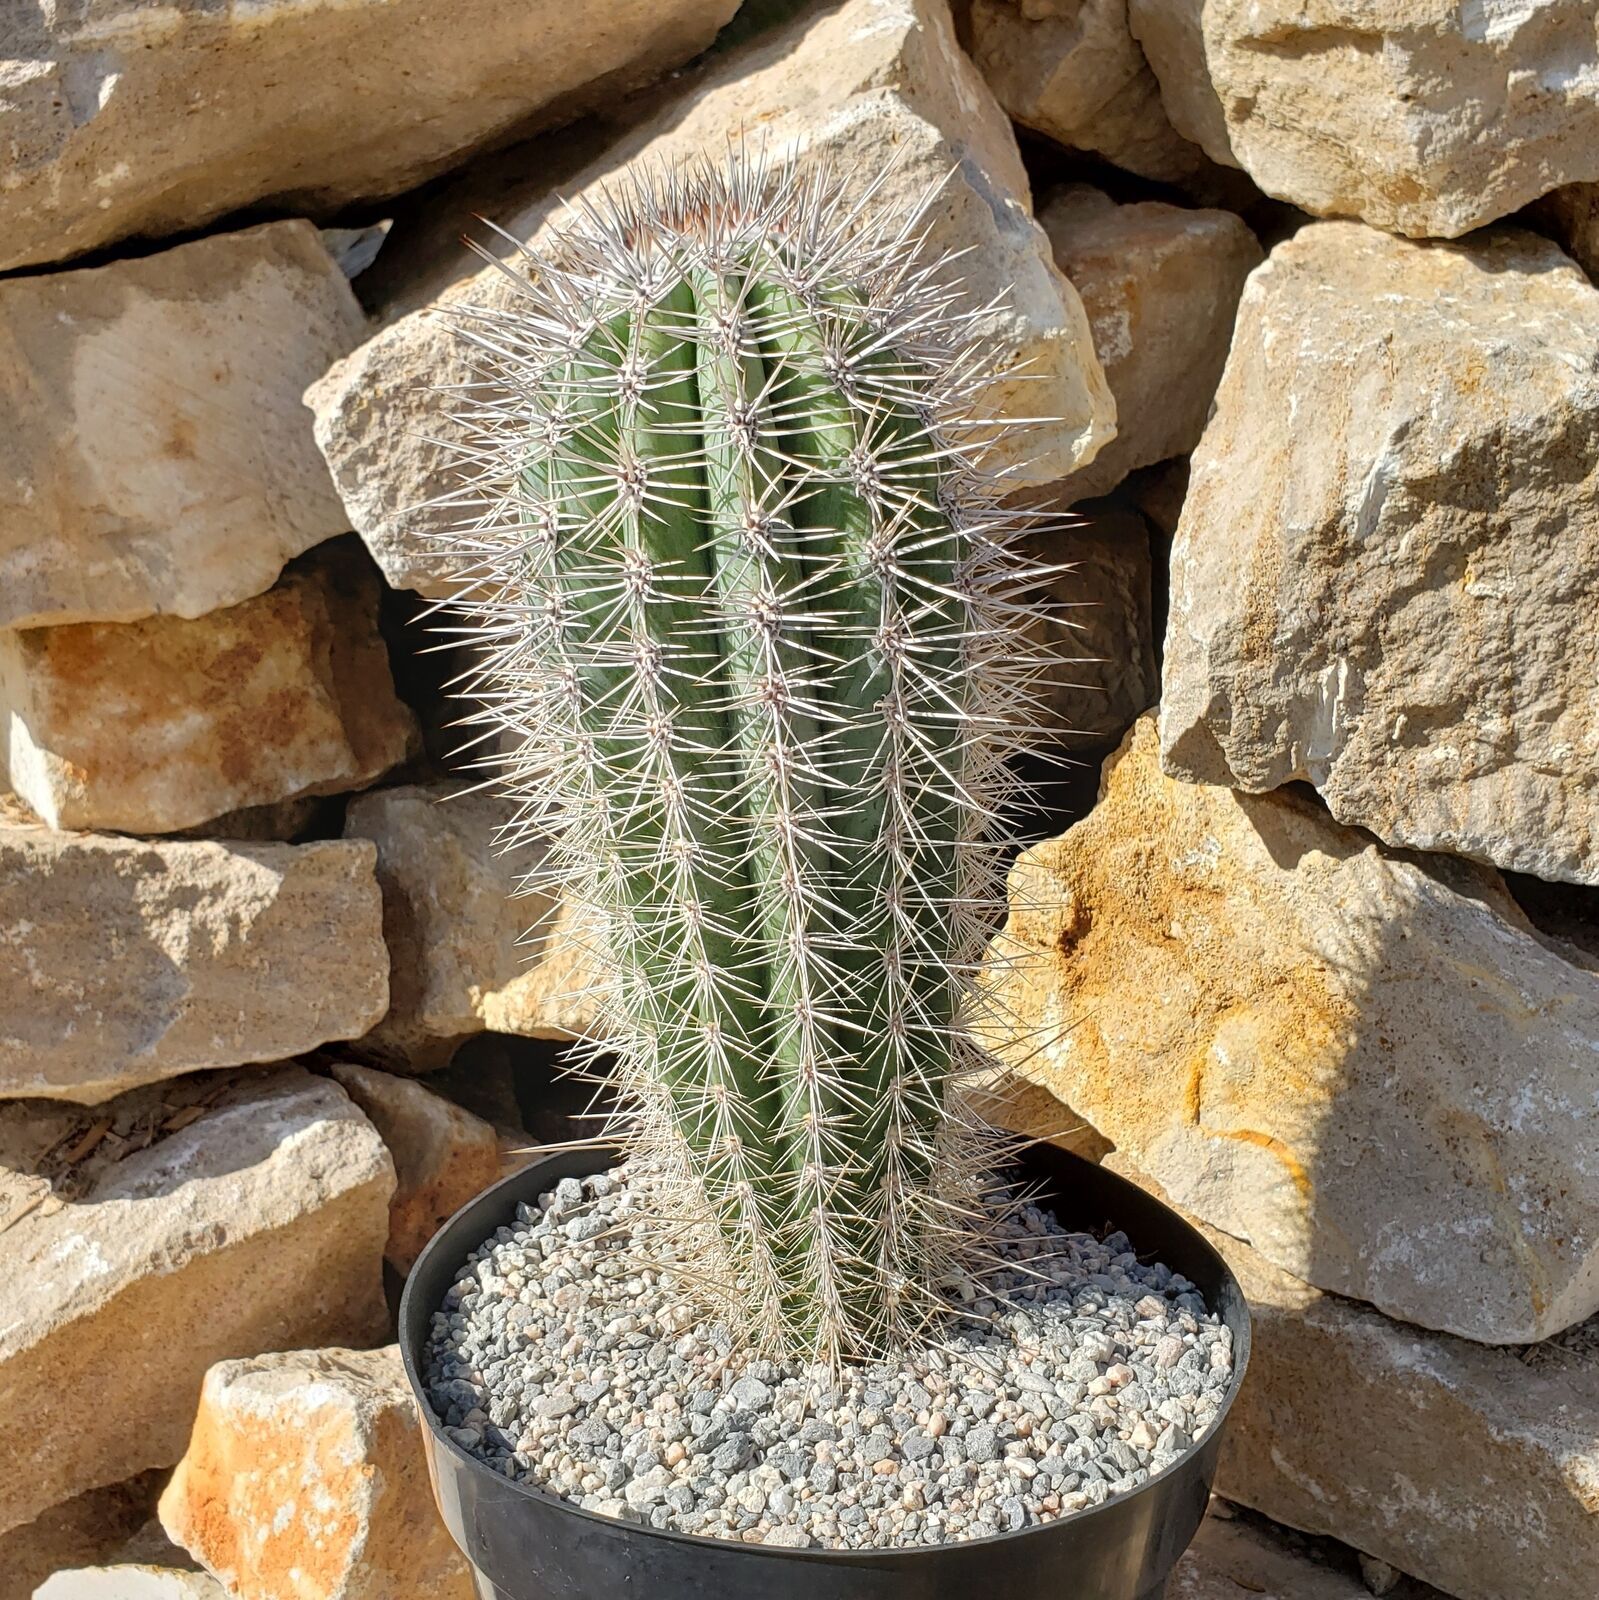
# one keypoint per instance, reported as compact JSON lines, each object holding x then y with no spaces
{"x":561,"y":1363}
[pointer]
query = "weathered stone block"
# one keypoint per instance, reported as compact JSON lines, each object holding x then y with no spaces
{"x":1424,"y":117}
{"x":1369,"y":1065}
{"x":141,"y":119}
{"x":181,"y":1226}
{"x":160,"y":725}
{"x":1388,"y":560}
{"x":129,"y":960}
{"x":155,"y":455}
{"x":305,"y":1475}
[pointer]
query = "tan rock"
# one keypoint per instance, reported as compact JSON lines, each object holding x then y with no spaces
{"x":131,"y":1582}
{"x":88,"y":1528}
{"x":838,"y":87}
{"x":308,"y":107}
{"x":469,"y":951}
{"x":1371,"y":1066}
{"x":180,"y":1226}
{"x":1471,"y":1468}
{"x":305,"y":1475}
{"x":131,"y":960}
{"x":1096,"y":626}
{"x":1392,"y":601}
{"x":1072,"y":70}
{"x":442,"y":1154}
{"x":1424,"y":117}
{"x":154,"y":726}
{"x":155,"y":454}
{"x":1161,"y":286}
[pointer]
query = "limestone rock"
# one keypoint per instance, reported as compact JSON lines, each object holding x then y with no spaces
{"x":1370,"y":1065}
{"x":469,"y":951}
{"x":1424,"y":117}
{"x":1471,"y":1468}
{"x":1388,"y":559}
{"x":131,"y":960}
{"x":305,"y":1475}
{"x":156,"y":455}
{"x":1161,"y":286}
{"x":1071,"y":69}
{"x":130,"y":1582}
{"x":154,"y":119}
{"x":838,"y":86}
{"x":1097,"y":626}
{"x":155,"y":726}
{"x":442,"y":1154}
{"x":90,"y":1527}
{"x":180,"y":1226}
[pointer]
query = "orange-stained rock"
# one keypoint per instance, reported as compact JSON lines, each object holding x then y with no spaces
{"x":443,"y":1155}
{"x":305,"y":1477}
{"x":159,"y":725}
{"x":1369,"y":1064}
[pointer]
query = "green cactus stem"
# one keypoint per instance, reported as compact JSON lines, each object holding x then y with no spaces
{"x":755,"y":622}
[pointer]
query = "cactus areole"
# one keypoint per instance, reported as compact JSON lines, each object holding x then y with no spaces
{"x":753,"y":618}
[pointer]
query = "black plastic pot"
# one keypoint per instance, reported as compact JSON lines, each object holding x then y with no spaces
{"x":524,"y":1544}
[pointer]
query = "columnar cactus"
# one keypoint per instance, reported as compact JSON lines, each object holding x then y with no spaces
{"x":755,"y":621}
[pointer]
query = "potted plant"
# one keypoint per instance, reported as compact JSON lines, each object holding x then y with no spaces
{"x":756,"y":617}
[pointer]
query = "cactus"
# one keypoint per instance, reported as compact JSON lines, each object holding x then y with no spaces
{"x":753,"y":614}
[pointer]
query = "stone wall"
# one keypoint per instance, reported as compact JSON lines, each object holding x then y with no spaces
{"x":1302,"y":316}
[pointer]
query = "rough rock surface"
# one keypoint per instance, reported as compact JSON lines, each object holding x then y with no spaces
{"x":469,"y":952}
{"x":1098,"y":627}
{"x":130,"y":1581}
{"x":443,"y":1155}
{"x":1389,"y":552}
{"x":1369,"y":1065}
{"x":156,"y":456}
{"x":180,"y":1226}
{"x":307,"y":106}
{"x":305,"y":1475}
{"x":1161,"y":285}
{"x":91,"y":1527}
{"x":209,"y":955}
{"x":1071,"y":69}
{"x":840,"y":86}
{"x":1483,"y":1482}
{"x":155,"y":726}
{"x":1425,"y":117}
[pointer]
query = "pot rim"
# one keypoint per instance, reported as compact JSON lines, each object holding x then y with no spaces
{"x":1242,"y":1339}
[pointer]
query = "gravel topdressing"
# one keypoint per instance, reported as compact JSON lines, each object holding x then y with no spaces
{"x":560,"y":1364}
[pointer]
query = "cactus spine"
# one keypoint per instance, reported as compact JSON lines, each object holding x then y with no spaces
{"x":754,"y":624}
